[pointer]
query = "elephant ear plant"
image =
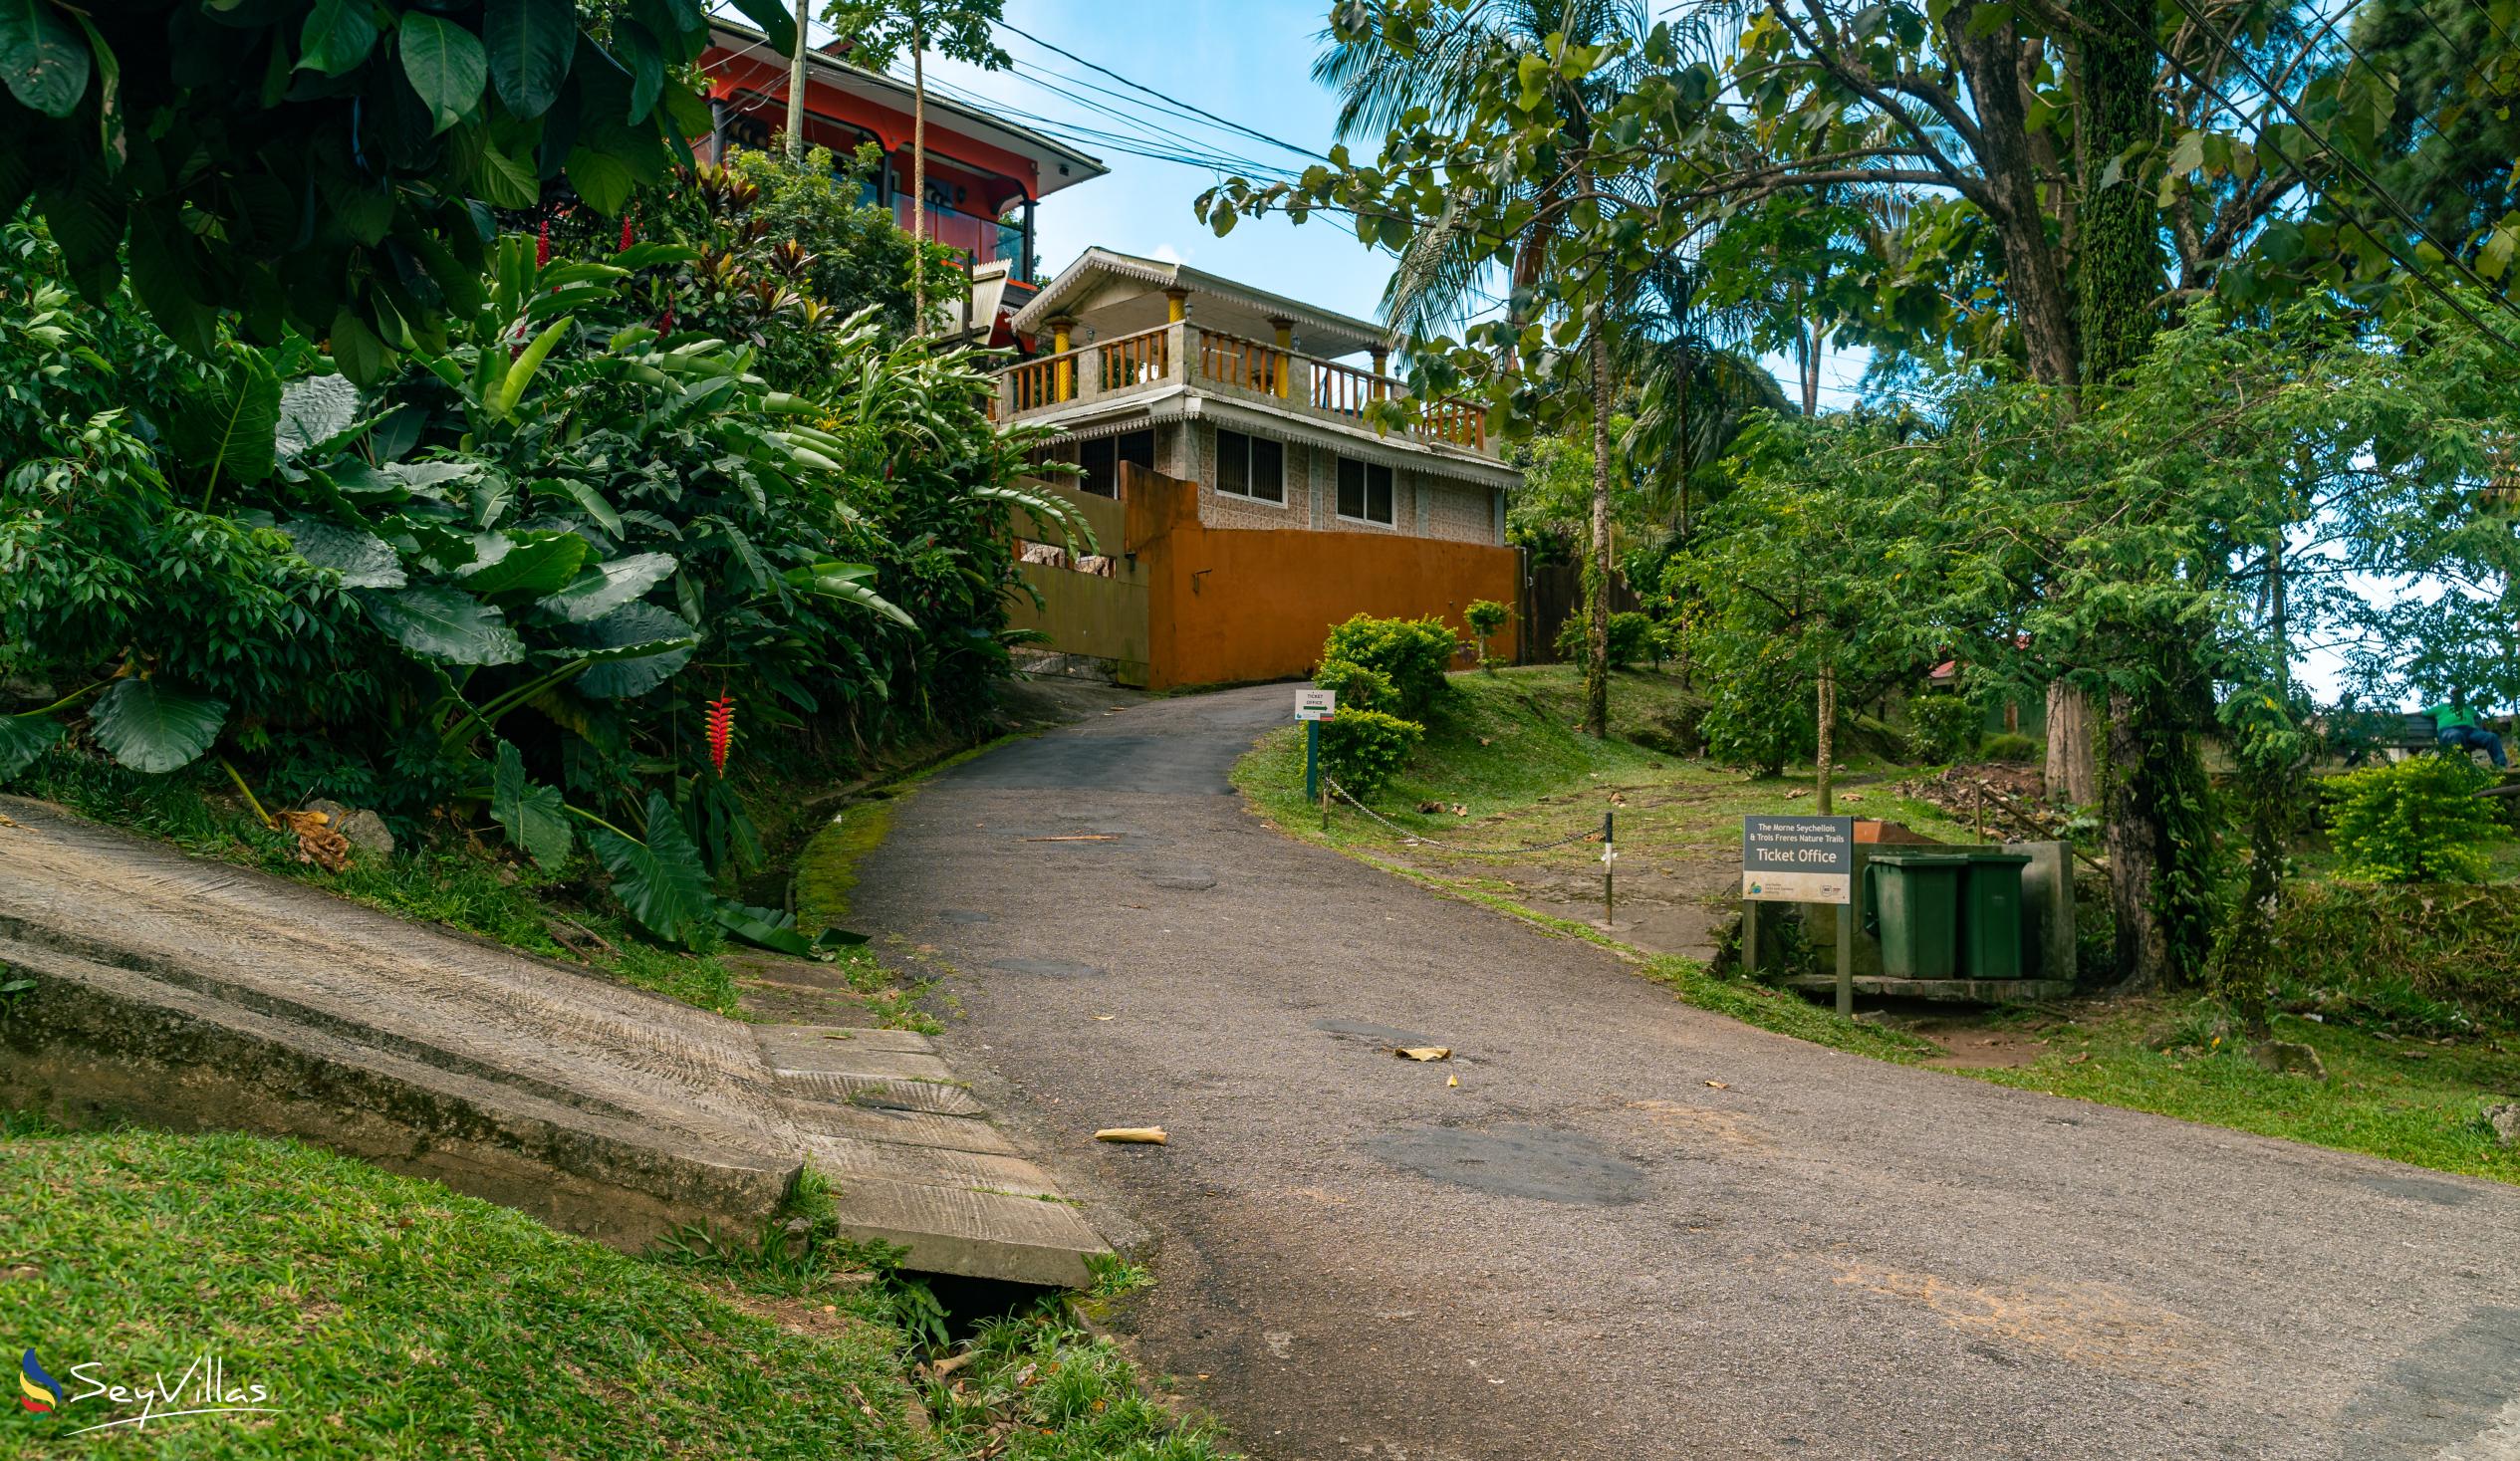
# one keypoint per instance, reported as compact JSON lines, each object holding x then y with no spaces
{"x":508,"y":577}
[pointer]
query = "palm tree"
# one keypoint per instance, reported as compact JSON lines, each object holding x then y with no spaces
{"x":1695,"y":385}
{"x":1447,"y":266}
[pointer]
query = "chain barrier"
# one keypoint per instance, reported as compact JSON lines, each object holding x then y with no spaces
{"x":1420,"y":840}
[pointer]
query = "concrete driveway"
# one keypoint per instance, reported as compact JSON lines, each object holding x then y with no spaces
{"x":1587,"y":1249}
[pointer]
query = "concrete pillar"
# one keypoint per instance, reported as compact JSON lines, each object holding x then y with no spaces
{"x":1176,"y":306}
{"x":1285,"y":329}
{"x":1065,"y":387}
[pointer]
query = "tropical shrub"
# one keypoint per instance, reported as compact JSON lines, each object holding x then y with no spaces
{"x":508,"y":580}
{"x":1363,"y":749}
{"x":1632,"y":637}
{"x":788,"y":258}
{"x":1412,"y":653}
{"x":2418,"y":821}
{"x":1940,"y":727}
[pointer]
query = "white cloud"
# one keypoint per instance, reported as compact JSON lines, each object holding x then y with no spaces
{"x":1165,"y":253}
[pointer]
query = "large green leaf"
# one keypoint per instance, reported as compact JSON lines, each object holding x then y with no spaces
{"x":152,"y":728}
{"x":446,"y":623}
{"x":534,"y":816}
{"x":227,"y":423}
{"x":24,"y":738}
{"x":602,"y":179}
{"x":42,"y":58}
{"x":446,"y":66}
{"x":505,"y":182}
{"x":627,"y":628}
{"x":659,"y":880}
{"x":846,"y":581}
{"x":364,"y":559}
{"x":338,"y":35}
{"x":521,"y":372}
{"x":608,"y":586}
{"x":772,"y":929}
{"x":535,"y":564}
{"x":777,"y":25}
{"x":531,"y":42}
{"x":314,"y":410}
{"x":586,"y":497}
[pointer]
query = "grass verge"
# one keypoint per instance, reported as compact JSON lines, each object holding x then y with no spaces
{"x":390,"y":1318}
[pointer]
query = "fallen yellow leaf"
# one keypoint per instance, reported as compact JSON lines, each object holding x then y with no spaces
{"x":1424,"y":1051}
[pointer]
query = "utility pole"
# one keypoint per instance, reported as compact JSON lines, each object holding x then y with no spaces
{"x":796,"y":94}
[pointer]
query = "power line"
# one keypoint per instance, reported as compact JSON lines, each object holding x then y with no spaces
{"x":1225,"y":122}
{"x":2268,"y":88}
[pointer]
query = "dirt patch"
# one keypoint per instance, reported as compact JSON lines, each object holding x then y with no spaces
{"x":1969,"y":1046}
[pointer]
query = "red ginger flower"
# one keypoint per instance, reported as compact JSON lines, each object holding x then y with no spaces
{"x":721,"y":730}
{"x":626,"y":232}
{"x":542,"y":246}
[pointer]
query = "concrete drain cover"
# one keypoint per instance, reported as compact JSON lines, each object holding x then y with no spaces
{"x":1379,"y":1034}
{"x":963,"y":916}
{"x":1516,"y":1161}
{"x":1186,"y":875}
{"x":1047,"y":968}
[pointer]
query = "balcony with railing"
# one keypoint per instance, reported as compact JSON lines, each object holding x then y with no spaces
{"x":1231,"y":365}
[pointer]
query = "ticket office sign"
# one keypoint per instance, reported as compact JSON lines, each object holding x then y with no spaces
{"x":1798,"y":860}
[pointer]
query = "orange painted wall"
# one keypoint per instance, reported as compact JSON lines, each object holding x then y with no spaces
{"x":1227,"y":605}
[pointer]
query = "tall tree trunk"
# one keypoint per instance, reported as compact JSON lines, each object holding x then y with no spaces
{"x":796,"y":94}
{"x":1596,"y":563}
{"x":1811,"y":369}
{"x":2034,"y":281}
{"x":919,"y":183}
{"x":2118,"y":263}
{"x":2073,"y":756}
{"x":2155,"y":829}
{"x":1822,"y":758}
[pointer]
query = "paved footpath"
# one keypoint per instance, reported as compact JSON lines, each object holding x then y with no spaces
{"x":1586,"y":1250}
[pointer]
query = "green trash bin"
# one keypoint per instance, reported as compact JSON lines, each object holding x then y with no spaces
{"x":1990,"y":915}
{"x":1912,"y":904}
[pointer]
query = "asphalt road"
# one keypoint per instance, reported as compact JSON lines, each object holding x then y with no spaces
{"x":1587,"y":1249}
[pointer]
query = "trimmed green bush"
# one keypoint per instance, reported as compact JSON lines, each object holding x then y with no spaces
{"x":1412,"y":653}
{"x":2006,"y":745}
{"x":1363,"y":749}
{"x":1940,"y":727}
{"x":1485,"y":617}
{"x":2418,"y":821}
{"x":1359,"y":687}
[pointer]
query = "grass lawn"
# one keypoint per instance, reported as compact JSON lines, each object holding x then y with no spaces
{"x":390,"y":1318}
{"x":2406,"y":1080}
{"x":2412,"y":1100}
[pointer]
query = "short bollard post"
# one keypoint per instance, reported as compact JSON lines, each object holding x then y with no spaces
{"x":1610,"y":855}
{"x":1846,"y":958}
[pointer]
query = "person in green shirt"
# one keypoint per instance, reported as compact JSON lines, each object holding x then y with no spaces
{"x":2460,"y":731}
